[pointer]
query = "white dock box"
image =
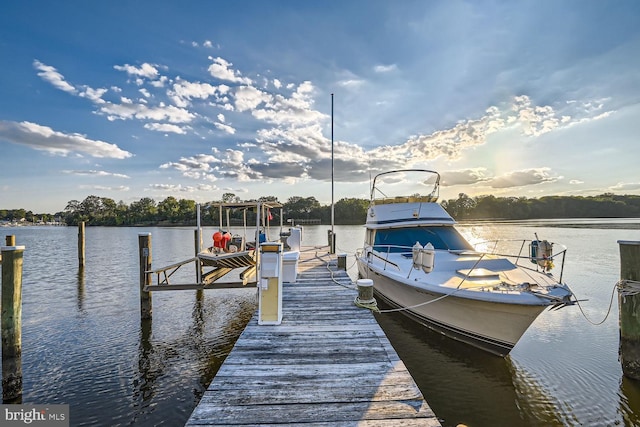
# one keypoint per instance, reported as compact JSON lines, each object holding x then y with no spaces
{"x":290,"y":266}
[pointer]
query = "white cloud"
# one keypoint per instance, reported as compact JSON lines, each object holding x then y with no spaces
{"x":128,"y":110}
{"x":464,"y":177}
{"x":46,"y":139}
{"x":221,"y":69}
{"x":165,"y":127}
{"x":146,"y":70}
{"x":523,"y":178}
{"x":225,"y":128}
{"x":385,"y":68}
{"x":51,"y":75}
{"x":183,"y":92}
{"x":626,"y":186}
{"x":93,"y":95}
{"x":105,"y":188}
{"x":96,"y":173}
{"x":248,"y":98}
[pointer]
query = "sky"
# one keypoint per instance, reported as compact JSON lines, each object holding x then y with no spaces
{"x":195,"y":99}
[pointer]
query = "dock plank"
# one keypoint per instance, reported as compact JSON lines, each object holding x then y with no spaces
{"x":328,"y":363}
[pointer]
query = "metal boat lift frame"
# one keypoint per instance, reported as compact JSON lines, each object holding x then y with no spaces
{"x":223,"y":263}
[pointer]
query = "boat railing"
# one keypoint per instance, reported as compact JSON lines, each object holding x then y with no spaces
{"x":386,"y":250}
{"x":519,"y":251}
{"x":516,"y":250}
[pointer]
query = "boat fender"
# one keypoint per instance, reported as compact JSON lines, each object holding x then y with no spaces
{"x":534,"y":251}
{"x":416,"y":252}
{"x":217,"y":240}
{"x":428,"y":257}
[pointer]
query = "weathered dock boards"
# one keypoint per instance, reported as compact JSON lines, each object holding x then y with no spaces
{"x":328,"y":363}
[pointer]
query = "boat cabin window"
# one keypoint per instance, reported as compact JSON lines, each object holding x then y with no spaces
{"x":403,"y":239}
{"x":369,"y":237}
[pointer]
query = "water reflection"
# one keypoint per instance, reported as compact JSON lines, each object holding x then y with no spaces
{"x":629,"y":399}
{"x":476,"y":381}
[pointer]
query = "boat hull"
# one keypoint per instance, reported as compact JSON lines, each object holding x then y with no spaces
{"x":491,"y":326}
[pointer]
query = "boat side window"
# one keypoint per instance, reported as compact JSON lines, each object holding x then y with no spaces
{"x":369,"y":237}
{"x":403,"y":239}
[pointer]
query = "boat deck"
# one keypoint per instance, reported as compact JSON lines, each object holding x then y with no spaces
{"x":327,"y":363}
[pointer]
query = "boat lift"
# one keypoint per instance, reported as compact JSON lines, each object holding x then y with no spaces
{"x":230,"y":254}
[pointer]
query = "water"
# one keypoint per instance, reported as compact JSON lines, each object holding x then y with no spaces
{"x":84,"y":344}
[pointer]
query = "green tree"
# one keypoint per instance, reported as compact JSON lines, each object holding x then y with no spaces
{"x":187,"y":210}
{"x":297,"y":207}
{"x":169,"y":209}
{"x":143,"y":211}
{"x":230,"y":198}
{"x":351,"y":211}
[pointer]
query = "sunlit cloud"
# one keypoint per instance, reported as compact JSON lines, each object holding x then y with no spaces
{"x":523,"y":178}
{"x":46,"y":139}
{"x":626,"y":186}
{"x":97,"y":173}
{"x":464,"y":177}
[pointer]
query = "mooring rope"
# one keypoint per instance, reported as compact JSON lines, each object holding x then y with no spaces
{"x":613,"y":291}
{"x":628,"y":287}
{"x":370,"y":305}
{"x":333,"y":279}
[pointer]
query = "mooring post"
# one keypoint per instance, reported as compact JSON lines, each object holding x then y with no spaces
{"x":342,"y":261}
{"x":12,"y":322}
{"x":629,"y":304}
{"x":331,"y":240}
{"x":10,"y":240}
{"x":197,"y":248}
{"x":144,"y":249}
{"x":81,"y":243}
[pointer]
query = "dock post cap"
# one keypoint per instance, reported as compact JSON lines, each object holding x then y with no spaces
{"x":629,"y":242}
{"x":12,"y":248}
{"x":144,"y":234}
{"x":364,"y":282}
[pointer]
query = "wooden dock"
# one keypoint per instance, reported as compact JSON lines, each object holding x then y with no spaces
{"x":328,"y":363}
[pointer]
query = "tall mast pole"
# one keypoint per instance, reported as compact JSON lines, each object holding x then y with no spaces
{"x":333,"y":236}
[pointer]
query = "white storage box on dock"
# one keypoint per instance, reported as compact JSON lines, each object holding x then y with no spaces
{"x":290,"y":266}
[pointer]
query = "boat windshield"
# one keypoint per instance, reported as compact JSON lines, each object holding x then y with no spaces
{"x":403,"y":239}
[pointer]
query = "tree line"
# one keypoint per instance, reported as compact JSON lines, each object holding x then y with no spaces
{"x":95,"y":210}
{"x":607,"y":205}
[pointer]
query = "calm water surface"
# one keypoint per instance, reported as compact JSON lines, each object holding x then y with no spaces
{"x":84,"y":343}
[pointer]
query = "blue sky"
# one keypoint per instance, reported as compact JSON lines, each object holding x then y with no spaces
{"x":195,"y":99}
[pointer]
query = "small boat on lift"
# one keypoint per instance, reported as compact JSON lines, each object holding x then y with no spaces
{"x":231,"y":252}
{"x":421,"y":265}
{"x":239,"y":252}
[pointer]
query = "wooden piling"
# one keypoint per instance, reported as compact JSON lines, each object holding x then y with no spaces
{"x":10,"y":240}
{"x":144,"y":249}
{"x":11,"y":323}
{"x":629,"y":304}
{"x":197,"y":238}
{"x":342,"y":261}
{"x":81,"y":243}
{"x":331,"y":241}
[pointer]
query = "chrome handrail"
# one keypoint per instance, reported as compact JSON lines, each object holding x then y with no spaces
{"x":380,"y":249}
